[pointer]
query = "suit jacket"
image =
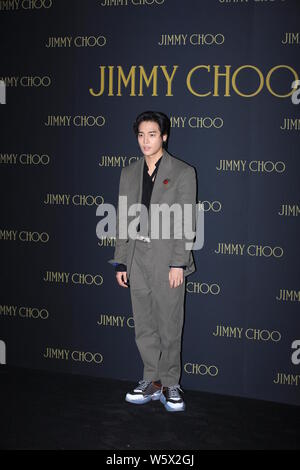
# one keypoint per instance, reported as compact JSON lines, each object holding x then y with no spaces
{"x":180,"y":189}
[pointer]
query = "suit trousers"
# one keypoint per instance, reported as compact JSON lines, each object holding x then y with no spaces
{"x":158,"y":312}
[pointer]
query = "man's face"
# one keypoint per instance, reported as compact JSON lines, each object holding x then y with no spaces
{"x":150,"y":139}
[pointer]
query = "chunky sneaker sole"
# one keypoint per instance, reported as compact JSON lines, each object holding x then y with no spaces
{"x":171,"y":398}
{"x":172,"y":406}
{"x":139,"y":398}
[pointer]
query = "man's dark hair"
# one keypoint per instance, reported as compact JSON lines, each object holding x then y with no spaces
{"x":160,"y":118}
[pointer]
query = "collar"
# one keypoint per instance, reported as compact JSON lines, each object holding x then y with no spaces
{"x":155,"y":166}
{"x":158,"y":162}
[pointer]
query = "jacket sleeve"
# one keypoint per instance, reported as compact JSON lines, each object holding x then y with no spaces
{"x":186,"y":195}
{"x":121,"y":247}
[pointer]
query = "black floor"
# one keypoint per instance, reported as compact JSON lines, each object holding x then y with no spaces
{"x":45,"y":410}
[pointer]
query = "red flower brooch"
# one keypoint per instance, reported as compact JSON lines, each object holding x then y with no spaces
{"x":166,"y":181}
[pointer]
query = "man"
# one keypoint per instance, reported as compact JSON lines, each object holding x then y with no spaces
{"x":156,"y":266}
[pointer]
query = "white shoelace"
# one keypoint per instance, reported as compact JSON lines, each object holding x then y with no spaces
{"x":174,"y":391}
{"x":144,"y":384}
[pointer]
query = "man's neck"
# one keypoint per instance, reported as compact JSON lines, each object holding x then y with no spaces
{"x":151,"y":161}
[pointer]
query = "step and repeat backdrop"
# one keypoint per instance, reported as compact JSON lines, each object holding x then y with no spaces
{"x":74,"y":76}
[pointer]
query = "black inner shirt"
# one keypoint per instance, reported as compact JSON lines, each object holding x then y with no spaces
{"x":148,"y":183}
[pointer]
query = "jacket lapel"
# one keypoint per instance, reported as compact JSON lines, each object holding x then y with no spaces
{"x":141,"y":175}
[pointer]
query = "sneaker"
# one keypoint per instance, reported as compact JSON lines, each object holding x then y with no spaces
{"x":144,"y":392}
{"x":171,"y":398}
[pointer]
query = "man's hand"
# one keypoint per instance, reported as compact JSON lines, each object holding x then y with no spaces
{"x":175,"y":277}
{"x":122,"y":278}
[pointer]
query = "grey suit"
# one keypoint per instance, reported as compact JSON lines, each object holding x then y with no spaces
{"x":158,"y":309}
{"x":181,"y":188}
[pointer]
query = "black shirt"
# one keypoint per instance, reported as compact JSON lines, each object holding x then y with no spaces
{"x":148,"y":182}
